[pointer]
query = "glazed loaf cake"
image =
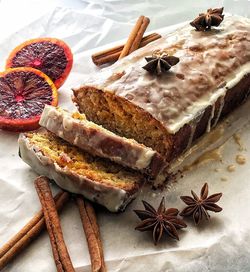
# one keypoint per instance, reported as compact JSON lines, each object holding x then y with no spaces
{"x":169,"y":112}
{"x":78,"y":172}
{"x":77,"y":130}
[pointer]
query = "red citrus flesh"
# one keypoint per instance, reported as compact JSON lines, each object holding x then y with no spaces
{"x":49,"y":55}
{"x":24,"y":92}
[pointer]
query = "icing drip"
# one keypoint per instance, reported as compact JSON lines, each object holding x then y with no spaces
{"x":210,"y":118}
{"x":190,"y":140}
{"x":193,"y":127}
{"x":221,"y":105}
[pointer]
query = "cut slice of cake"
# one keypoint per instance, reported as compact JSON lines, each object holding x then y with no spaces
{"x":169,"y":112}
{"x":77,"y":130}
{"x":76,"y":171}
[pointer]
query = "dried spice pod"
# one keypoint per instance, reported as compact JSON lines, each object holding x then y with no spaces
{"x":213,"y":17}
{"x":49,"y":55}
{"x":160,"y":221}
{"x":159,"y":64}
{"x":24,"y":92}
{"x":197,"y":207}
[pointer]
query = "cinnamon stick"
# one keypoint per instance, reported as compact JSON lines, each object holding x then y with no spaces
{"x":60,"y":252}
{"x":28,"y":233}
{"x":92,"y":233}
{"x":92,"y":217}
{"x":112,"y":54}
{"x":135,"y":36}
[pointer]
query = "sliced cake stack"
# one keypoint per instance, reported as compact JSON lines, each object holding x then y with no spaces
{"x":87,"y":159}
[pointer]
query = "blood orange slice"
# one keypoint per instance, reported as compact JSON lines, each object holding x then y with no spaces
{"x":23,"y":94}
{"x":49,"y":55}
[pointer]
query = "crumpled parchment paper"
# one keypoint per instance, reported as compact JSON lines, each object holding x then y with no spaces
{"x":220,"y":245}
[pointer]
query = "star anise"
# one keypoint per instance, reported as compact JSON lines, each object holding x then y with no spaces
{"x":198,"y":206}
{"x":158,"y":64}
{"x":213,"y":17}
{"x":159,"y":221}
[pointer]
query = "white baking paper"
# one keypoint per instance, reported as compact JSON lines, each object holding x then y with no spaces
{"x":220,"y":245}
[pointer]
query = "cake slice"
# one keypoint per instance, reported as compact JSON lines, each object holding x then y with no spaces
{"x":77,"y":130}
{"x":76,"y":171}
{"x":169,"y":112}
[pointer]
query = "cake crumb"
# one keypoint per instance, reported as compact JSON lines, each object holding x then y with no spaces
{"x":223,"y":178}
{"x":153,"y":194}
{"x":240,"y":159}
{"x":217,"y":169}
{"x":231,"y":168}
{"x":238,"y":141}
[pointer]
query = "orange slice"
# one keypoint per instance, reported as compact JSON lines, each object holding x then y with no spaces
{"x":24,"y":92}
{"x":51,"y":56}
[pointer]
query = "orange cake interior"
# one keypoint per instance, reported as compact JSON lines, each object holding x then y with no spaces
{"x":82,"y":163}
{"x":121,"y":117}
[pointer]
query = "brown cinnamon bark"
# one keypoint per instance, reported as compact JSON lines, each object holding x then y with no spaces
{"x":60,"y":252}
{"x":28,"y":233}
{"x":92,"y":217}
{"x":92,"y":233}
{"x":112,"y":54}
{"x":135,"y":36}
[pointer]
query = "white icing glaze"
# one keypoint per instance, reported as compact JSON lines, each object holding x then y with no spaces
{"x":145,"y":158}
{"x":72,"y":130}
{"x":67,"y":123}
{"x":207,"y":59}
{"x":209,"y":99}
{"x":114,"y":199}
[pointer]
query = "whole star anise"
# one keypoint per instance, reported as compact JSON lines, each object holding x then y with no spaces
{"x":213,"y":17}
{"x":159,"y":221}
{"x":158,"y":64}
{"x":198,"y":206}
